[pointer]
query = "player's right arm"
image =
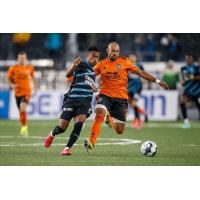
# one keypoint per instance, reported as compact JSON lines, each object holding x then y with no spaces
{"x":9,"y":77}
{"x":151,"y":78}
{"x":146,"y":76}
{"x":72,"y":69}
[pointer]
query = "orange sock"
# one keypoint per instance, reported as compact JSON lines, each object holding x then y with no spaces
{"x":140,"y":110}
{"x":96,"y":128}
{"x":111,"y":121}
{"x":23,"y":118}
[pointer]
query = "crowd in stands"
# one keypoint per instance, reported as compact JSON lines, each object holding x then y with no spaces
{"x":63,"y":46}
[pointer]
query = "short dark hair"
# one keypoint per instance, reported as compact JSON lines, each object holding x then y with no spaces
{"x":93,"y":48}
{"x":189,"y":54}
{"x":22,"y":53}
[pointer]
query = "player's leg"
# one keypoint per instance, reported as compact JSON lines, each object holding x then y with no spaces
{"x":58,"y":129}
{"x":82,"y":111}
{"x":78,"y":125}
{"x":23,"y":103}
{"x":136,"y":121}
{"x":96,"y":126}
{"x":119,"y":126}
{"x":65,"y":117}
{"x":102,"y":106}
{"x":196,"y":101}
{"x":118,"y":112}
{"x":184,"y":99}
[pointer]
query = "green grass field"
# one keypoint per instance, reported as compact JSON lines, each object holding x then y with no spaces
{"x":175,"y":146}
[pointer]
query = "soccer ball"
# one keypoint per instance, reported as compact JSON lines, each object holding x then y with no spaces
{"x":149,"y":148}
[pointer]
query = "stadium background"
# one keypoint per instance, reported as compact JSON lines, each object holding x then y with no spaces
{"x":52,"y":53}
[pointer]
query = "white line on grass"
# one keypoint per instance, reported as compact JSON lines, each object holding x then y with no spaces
{"x":148,"y":125}
{"x":116,"y":141}
{"x":192,"y":145}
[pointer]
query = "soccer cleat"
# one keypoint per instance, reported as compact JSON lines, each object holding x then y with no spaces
{"x":88,"y":145}
{"x":66,"y":152}
{"x":24,"y":131}
{"x":186,"y":125}
{"x":48,"y":140}
{"x":137,"y":123}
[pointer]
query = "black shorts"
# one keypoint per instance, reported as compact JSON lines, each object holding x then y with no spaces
{"x":116,"y":107}
{"x":21,"y":99}
{"x":190,"y":97}
{"x":72,"y":108}
{"x":135,"y":95}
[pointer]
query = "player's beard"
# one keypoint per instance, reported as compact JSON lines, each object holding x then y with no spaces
{"x":113,"y":58}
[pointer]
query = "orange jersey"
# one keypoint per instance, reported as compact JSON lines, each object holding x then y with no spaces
{"x":114,"y":76}
{"x":21,"y":76}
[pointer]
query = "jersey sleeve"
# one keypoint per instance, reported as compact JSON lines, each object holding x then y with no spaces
{"x":97,"y":68}
{"x":32,"y":72}
{"x":10,"y":72}
{"x":131,"y":67}
{"x":197,"y":71}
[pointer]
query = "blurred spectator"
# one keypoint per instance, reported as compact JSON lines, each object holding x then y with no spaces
{"x":171,"y":76}
{"x":20,"y":41}
{"x":173,"y":47}
{"x":53,"y":44}
{"x":149,"y":47}
{"x":6,"y":46}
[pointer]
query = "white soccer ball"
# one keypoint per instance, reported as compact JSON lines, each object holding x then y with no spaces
{"x":149,"y":148}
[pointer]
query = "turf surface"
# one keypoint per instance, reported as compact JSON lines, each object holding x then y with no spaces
{"x":175,"y":146}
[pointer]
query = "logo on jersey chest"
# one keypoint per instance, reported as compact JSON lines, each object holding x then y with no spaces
{"x":118,"y":66}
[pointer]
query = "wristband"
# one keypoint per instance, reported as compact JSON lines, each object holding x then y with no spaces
{"x":157,"y":81}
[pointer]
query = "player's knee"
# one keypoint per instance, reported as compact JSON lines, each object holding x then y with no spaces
{"x":22,"y":108}
{"x":100,"y":111}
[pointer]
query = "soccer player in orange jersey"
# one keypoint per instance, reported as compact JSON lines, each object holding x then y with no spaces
{"x":19,"y":78}
{"x":113,"y":95}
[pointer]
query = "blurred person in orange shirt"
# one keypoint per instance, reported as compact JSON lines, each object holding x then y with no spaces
{"x":113,"y":97}
{"x":21,"y":41}
{"x":19,"y":78}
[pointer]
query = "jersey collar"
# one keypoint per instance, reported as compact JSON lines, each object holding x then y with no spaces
{"x":90,"y":65}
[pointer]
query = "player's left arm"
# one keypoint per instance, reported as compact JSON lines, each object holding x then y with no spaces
{"x":33,"y":79}
{"x":149,"y":77}
{"x":196,"y":75}
{"x":195,"y":78}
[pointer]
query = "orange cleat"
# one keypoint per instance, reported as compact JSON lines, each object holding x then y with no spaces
{"x":48,"y":140}
{"x":66,"y":152}
{"x":135,"y":123}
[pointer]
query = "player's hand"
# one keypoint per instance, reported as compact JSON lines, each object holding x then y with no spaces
{"x":182,"y":82}
{"x":13,"y":87}
{"x":94,"y":88}
{"x":191,"y":76}
{"x":77,"y":61}
{"x":164,"y":85}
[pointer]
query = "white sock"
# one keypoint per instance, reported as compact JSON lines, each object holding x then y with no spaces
{"x":66,"y":148}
